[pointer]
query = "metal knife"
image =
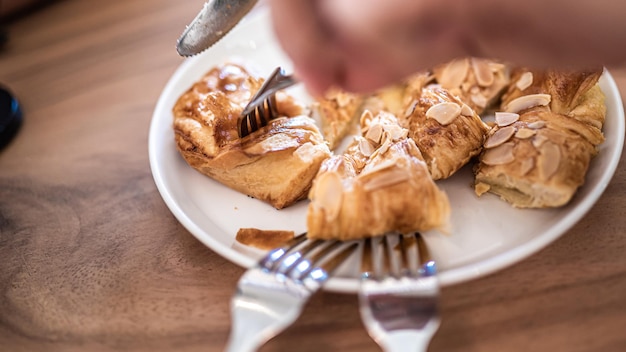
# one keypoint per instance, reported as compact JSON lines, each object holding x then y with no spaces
{"x":214,"y":21}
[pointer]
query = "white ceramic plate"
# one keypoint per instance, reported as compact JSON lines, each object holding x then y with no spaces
{"x":488,"y":234}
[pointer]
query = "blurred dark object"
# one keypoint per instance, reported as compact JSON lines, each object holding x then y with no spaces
{"x":10,"y":116}
{"x":13,"y":8}
{"x":4,"y":36}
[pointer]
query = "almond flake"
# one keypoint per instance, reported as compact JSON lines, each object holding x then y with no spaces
{"x":524,"y":133}
{"x":329,"y":194}
{"x":528,"y":101}
{"x":385,"y":179}
{"x":374,"y":133}
{"x":410,"y":109}
{"x":373,"y":168}
{"x":502,"y":154}
{"x":506,"y":118}
{"x":479,"y":99}
{"x":454,"y":73}
{"x":549,"y":159}
{"x":500,"y":136}
{"x":366,"y":147}
{"x":527,"y":165}
{"x":444,"y":113}
{"x":396,"y":132}
{"x":482,"y":71}
{"x":384,"y":147}
{"x":535,"y":125}
{"x":466,"y":110}
{"x":538,"y":140}
{"x":524,"y":81}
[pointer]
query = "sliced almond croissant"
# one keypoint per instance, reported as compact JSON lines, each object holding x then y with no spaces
{"x":446,"y":130}
{"x":541,"y":159}
{"x":380,"y":184}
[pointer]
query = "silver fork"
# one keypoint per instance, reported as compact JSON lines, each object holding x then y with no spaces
{"x":271,"y":295}
{"x":398,"y":296}
{"x":262,"y":108}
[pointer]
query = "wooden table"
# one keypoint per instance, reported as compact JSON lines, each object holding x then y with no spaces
{"x":91,"y":259}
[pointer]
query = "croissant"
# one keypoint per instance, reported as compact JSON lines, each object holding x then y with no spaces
{"x":380,"y":184}
{"x":546,"y":135}
{"x":447,"y":131}
{"x":275,"y":164}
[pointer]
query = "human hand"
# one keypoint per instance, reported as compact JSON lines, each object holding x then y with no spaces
{"x":361,"y":45}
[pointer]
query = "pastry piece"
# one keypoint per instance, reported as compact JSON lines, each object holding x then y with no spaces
{"x":337,"y":112}
{"x":574,"y":94}
{"x":380,"y":184}
{"x":446,"y":130}
{"x":275,"y":164}
{"x":263,"y":239}
{"x":478,"y":82}
{"x":539,"y":153}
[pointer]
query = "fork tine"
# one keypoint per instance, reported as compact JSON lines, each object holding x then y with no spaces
{"x":318,"y":266}
{"x":277,"y":80}
{"x":296,"y":255}
{"x":262,"y":107}
{"x":275,"y":255}
{"x":411,"y":255}
{"x":395,"y":254}
{"x":377,"y":258}
{"x":367,"y":266}
{"x":243,"y":126}
{"x":304,"y":265}
{"x":265,"y":113}
{"x":253,"y":117}
{"x":333,"y":261}
{"x":258,"y":117}
{"x":272,"y":106}
{"x":428,"y":266}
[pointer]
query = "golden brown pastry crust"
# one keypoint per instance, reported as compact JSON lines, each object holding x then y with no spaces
{"x":446,"y":146}
{"x":276,"y":164}
{"x":547,"y":154}
{"x":573,"y":93}
{"x":380,"y":184}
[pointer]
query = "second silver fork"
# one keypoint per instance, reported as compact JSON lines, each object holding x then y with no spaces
{"x":398,"y":297}
{"x":271,"y":295}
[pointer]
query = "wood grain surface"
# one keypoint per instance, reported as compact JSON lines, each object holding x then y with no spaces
{"x":91,"y":259}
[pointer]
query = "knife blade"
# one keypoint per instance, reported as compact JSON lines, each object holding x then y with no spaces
{"x":213,"y":22}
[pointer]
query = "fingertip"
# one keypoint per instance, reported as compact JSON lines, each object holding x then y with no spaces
{"x":313,"y":85}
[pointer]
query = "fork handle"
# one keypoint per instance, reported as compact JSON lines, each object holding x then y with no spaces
{"x":244,"y":337}
{"x":405,"y":341}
